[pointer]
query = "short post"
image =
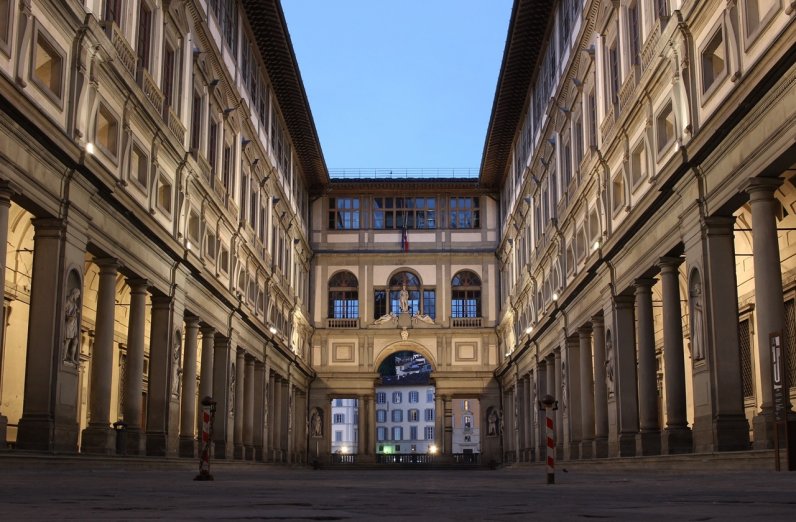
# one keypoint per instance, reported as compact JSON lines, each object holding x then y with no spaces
{"x":549,"y":404}
{"x":208,"y":418}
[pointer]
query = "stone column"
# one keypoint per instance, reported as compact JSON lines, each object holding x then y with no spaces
{"x":159,"y":395}
{"x":649,"y":437}
{"x":600,"y":391}
{"x":677,"y":436}
{"x":586,"y":394}
{"x":134,"y":367}
{"x":439,"y":423}
{"x":5,"y":205}
{"x":270,"y":418}
{"x":188,"y":398}
{"x":769,"y":301}
{"x":361,"y":426}
{"x":515,"y":417}
{"x":540,"y":390}
{"x":371,"y":447}
{"x":625,"y":387}
{"x":222,"y":375}
{"x":260,"y":384}
{"x":570,"y":377}
{"x":284,"y":421}
{"x":725,"y":424}
{"x":558,"y":394}
{"x":277,"y":424}
{"x":248,"y":410}
{"x":240,"y":390}
{"x":98,"y":436}
{"x":448,"y":424}
{"x":527,"y":416}
{"x":206,"y":368}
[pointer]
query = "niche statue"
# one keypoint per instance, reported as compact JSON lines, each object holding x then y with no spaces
{"x":72,"y":328}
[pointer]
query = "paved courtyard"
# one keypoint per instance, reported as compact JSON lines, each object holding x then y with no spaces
{"x":90,"y":491}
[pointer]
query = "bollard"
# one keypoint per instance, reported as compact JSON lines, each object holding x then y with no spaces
{"x":549,"y":404}
{"x":208,"y":418}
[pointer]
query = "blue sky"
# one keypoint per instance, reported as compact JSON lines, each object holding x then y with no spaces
{"x":402,"y":83}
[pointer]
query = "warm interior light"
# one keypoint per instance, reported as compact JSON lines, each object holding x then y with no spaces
{"x":555,"y":296}
{"x":272,"y":329}
{"x":90,"y":148}
{"x":529,"y":329}
{"x":188,"y":245}
{"x":344,"y":449}
{"x":596,"y":245}
{"x":433,"y":449}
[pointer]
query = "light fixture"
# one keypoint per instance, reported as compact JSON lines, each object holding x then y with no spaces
{"x":555,"y":296}
{"x":90,"y":148}
{"x":188,"y":245}
{"x":529,"y":329}
{"x":272,"y":329}
{"x":433,"y":449}
{"x":596,"y":244}
{"x":344,"y":449}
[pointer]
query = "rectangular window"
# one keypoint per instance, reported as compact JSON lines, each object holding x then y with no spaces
{"x":414,"y":396}
{"x":617,"y":193}
{"x":381,"y":415}
{"x":114,"y":9}
{"x":613,"y":74}
{"x":745,"y":347}
{"x":139,"y":168}
{"x":379,"y":303}
{"x":343,"y":213}
{"x":397,"y":397}
{"x":465,"y":212}
{"x":430,"y":395}
{"x":169,"y":67}
{"x":397,"y":415}
{"x":428,"y":415}
{"x":397,"y":434}
{"x":592,"y":107}
{"x":638,"y":164}
{"x":713,"y":61}
{"x":212,"y":148}
{"x":196,"y":121}
{"x":226,"y":179}
{"x":339,"y":418}
{"x":413,"y":433}
{"x":5,"y":24}
{"x":634,"y":36}
{"x":223,"y":259}
{"x":193,"y":226}
{"x":757,"y":12}
{"x":428,"y":431}
{"x":664,"y":127}
{"x":338,"y":436}
{"x":106,"y":132}
{"x":413,"y":415}
{"x":210,"y":247}
{"x":381,"y":434}
{"x":48,"y":66}
{"x":430,"y":302}
{"x":164,"y":194}
{"x":144,"y":39}
{"x":381,"y":398}
{"x":395,"y":213}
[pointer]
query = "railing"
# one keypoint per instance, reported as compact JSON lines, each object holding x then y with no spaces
{"x":628,"y":88}
{"x":343,"y":458}
{"x":466,"y":458}
{"x":607,"y":123}
{"x":342,"y":323}
{"x":151,"y":90}
{"x":404,"y":458}
{"x":419,"y":173}
{"x":466,"y":322}
{"x":204,"y":167}
{"x":124,"y":50}
{"x":648,"y":51}
{"x":175,"y":125}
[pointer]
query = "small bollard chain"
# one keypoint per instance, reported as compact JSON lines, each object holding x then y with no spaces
{"x":208,"y":418}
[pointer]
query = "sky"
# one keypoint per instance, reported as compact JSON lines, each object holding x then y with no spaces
{"x":400,"y":83}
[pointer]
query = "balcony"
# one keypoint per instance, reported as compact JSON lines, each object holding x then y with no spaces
{"x":342,"y":323}
{"x":151,"y":90}
{"x":628,"y":88}
{"x":124,"y":50}
{"x":648,"y":51}
{"x":608,"y":123}
{"x":466,"y":322}
{"x":175,"y":125}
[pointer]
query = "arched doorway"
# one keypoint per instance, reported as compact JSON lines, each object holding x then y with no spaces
{"x":406,"y":416}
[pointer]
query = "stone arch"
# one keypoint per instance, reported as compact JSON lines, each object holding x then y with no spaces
{"x":408,"y":346}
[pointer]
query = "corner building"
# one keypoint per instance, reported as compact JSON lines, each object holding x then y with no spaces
{"x":173,"y":233}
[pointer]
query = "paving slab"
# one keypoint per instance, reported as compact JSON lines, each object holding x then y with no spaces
{"x":86,"y":491}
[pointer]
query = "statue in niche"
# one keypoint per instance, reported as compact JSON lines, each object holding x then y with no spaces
{"x":492,"y":423}
{"x":72,"y":328}
{"x":176,"y":369}
{"x":697,"y":322}
{"x":403,"y":300}
{"x":563,"y":382}
{"x":231,"y":394}
{"x":316,"y":423}
{"x":609,"y":366}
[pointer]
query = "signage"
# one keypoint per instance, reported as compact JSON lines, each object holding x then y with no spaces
{"x":778,"y":378}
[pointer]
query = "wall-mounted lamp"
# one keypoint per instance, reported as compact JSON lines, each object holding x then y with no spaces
{"x":595,"y":245}
{"x":555,"y":296}
{"x":529,"y":329}
{"x":272,"y":329}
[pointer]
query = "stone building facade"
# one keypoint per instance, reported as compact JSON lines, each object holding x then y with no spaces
{"x":172,"y":233}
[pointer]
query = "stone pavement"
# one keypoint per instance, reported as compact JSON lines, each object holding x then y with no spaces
{"x":90,"y":490}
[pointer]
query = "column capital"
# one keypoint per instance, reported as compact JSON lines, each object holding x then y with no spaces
{"x":644,"y":284}
{"x":7,"y":191}
{"x":762,"y":188}
{"x":206,"y":329}
{"x":48,"y":227}
{"x":107,"y":265}
{"x":718,"y":225}
{"x":161,"y":301}
{"x":669,"y":264}
{"x":624,"y":301}
{"x":191,"y":321}
{"x":137,"y":285}
{"x":584,"y":331}
{"x":597,"y":321}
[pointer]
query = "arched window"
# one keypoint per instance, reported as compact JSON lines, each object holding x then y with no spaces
{"x":343,"y":296}
{"x":421,"y":300}
{"x":466,"y":295}
{"x":412,"y":284}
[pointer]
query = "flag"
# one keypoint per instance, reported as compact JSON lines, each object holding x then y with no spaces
{"x":404,"y":239}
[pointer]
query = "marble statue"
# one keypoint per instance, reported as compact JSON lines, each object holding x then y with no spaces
{"x":609,"y":366}
{"x":403,"y":300}
{"x":72,"y":328}
{"x":697,"y":323}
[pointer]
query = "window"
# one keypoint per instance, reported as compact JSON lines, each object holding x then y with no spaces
{"x":714,"y":58}
{"x":757,"y":13}
{"x":566,"y":166}
{"x":613,"y":75}
{"x":428,"y":431}
{"x":164,"y":194}
{"x":467,"y":422}
{"x":397,"y":434}
{"x":379,"y":303}
{"x":465,"y":212}
{"x":397,"y":415}
{"x":339,"y":418}
{"x":428,"y":415}
{"x":381,"y":415}
{"x":139,"y":168}
{"x":193,"y":226}
{"x":343,"y":296}
{"x":338,"y":402}
{"x":5,"y":24}
{"x":466,"y":295}
{"x":343,"y":213}
{"x":430,"y":302}
{"x":414,"y":396}
{"x":211,"y":246}
{"x":617,"y":193}
{"x":144,"y":39}
{"x":223,"y":259}
{"x":592,"y":107}
{"x":114,"y":9}
{"x":430,"y":395}
{"x":381,"y":434}
{"x":577,"y":137}
{"x":106,"y":132}
{"x":415,"y":290}
{"x":395,"y":213}
{"x":662,"y":11}
{"x":664,"y":127}
{"x":196,"y":121}
{"x":381,"y":398}
{"x":413,"y":434}
{"x":227,"y":172}
{"x":638,"y":165}
{"x":634,"y":30}
{"x":397,"y":397}
{"x":338,"y":436}
{"x":48,"y":66}
{"x":413,"y":415}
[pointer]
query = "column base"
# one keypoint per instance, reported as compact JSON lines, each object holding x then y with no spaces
{"x":98,"y":440}
{"x":220,"y":450}
{"x":45,"y":434}
{"x":627,"y":444}
{"x":587,"y":449}
{"x":136,"y":441}
{"x":763,"y":428}
{"x":248,"y":452}
{"x":156,"y":444}
{"x":601,"y":447}
{"x":677,"y":440}
{"x":573,"y":450}
{"x":731,"y":433}
{"x":187,"y":447}
{"x":237,"y":453}
{"x":648,"y":443}
{"x":259,"y":453}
